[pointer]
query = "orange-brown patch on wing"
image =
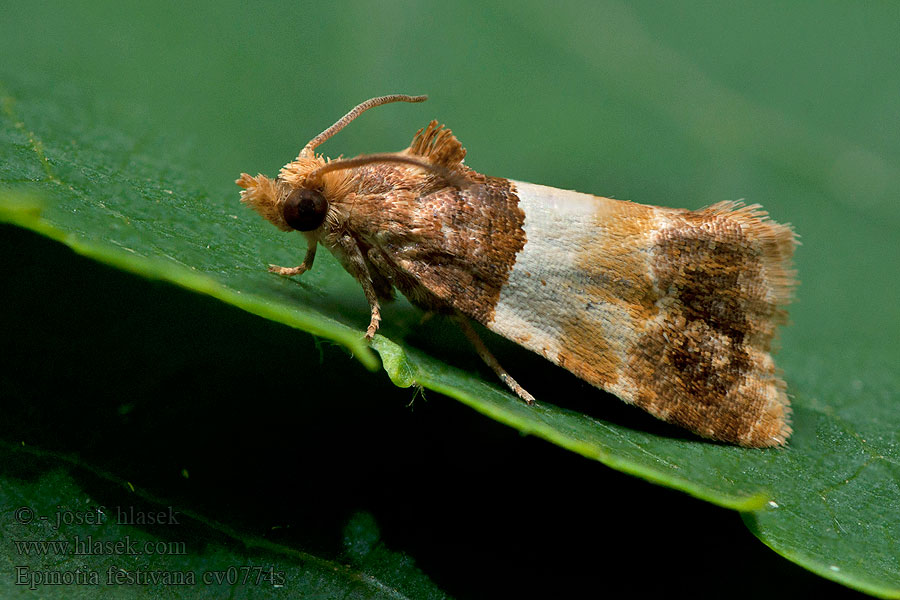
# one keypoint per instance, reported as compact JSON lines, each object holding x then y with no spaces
{"x":703,"y":363}
{"x":443,"y":247}
{"x":611,"y":271}
{"x":469,"y":247}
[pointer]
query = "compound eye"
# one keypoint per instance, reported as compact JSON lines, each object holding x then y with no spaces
{"x":304,"y":210}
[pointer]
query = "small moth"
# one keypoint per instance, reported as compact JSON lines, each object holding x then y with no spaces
{"x":669,"y":309}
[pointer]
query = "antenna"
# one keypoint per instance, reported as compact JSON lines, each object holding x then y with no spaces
{"x":309,"y":149}
{"x":453,"y":178}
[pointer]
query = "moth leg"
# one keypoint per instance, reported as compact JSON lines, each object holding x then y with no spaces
{"x":490,"y":361}
{"x":306,"y":266}
{"x":356,"y":264}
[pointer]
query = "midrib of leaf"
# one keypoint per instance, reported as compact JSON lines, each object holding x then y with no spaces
{"x":7,"y":102}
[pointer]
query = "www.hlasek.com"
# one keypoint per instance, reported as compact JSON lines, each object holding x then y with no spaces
{"x":88,"y":546}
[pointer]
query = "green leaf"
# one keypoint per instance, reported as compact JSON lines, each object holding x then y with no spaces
{"x":73,"y":169}
{"x":60,"y":536}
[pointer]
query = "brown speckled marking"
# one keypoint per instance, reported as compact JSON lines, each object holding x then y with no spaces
{"x":611,"y":268}
{"x":442,"y":247}
{"x":704,"y":363}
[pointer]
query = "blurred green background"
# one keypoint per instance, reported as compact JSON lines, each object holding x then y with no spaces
{"x":683,"y":104}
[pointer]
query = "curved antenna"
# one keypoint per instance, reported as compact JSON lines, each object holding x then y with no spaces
{"x":360,"y":108}
{"x":453,"y":178}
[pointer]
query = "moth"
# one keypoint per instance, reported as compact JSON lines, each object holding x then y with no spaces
{"x":672,"y":310}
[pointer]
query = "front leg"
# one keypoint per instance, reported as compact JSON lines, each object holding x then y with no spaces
{"x":306,"y":266}
{"x":356,"y":264}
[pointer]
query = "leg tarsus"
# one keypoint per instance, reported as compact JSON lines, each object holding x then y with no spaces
{"x":288,"y":271}
{"x":303,"y":268}
{"x":374,"y":322}
{"x":491,"y":361}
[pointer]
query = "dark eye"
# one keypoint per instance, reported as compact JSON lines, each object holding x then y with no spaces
{"x":304,"y":210}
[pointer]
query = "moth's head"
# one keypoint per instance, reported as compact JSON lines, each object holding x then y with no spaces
{"x":298,"y":198}
{"x":286,"y":202}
